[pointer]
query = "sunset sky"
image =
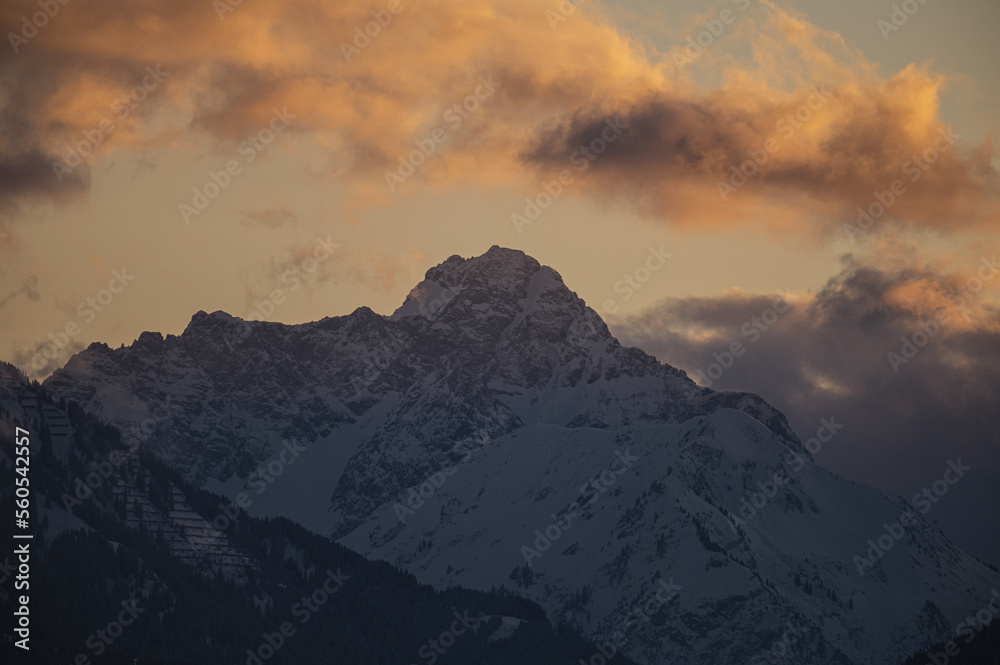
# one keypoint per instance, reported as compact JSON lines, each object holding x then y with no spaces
{"x":259,"y":157}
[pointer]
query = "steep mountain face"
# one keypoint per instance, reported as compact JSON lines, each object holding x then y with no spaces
{"x":492,"y":432}
{"x":130,"y":564}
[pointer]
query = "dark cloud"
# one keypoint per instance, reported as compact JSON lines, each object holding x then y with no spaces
{"x":369,"y":109}
{"x":43,"y":358}
{"x":30,"y":174}
{"x":28,"y":289}
{"x":828,"y":355}
{"x":271,"y":217}
{"x":830,"y":147}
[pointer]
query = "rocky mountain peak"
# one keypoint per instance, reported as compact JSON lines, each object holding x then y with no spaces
{"x":501,"y":280}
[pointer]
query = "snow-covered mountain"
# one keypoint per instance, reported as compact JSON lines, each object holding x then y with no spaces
{"x":492,"y":432}
{"x":112,"y":528}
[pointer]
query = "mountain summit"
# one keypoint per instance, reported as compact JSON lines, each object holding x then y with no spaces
{"x":501,"y":327}
{"x":492,"y":432}
{"x":498,"y":277}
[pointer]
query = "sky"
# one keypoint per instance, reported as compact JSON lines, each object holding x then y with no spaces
{"x":293,"y":160}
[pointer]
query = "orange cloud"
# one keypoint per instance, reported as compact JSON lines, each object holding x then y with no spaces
{"x":827,"y":131}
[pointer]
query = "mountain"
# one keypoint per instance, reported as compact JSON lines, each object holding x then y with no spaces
{"x":976,"y":645}
{"x":492,"y":432}
{"x":128,"y":563}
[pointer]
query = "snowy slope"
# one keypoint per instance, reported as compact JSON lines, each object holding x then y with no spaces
{"x":442,"y":437}
{"x":738,"y":592}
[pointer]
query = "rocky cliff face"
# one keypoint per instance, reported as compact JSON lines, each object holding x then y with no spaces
{"x":492,"y":432}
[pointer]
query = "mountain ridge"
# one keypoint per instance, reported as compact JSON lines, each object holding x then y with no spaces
{"x":498,"y":349}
